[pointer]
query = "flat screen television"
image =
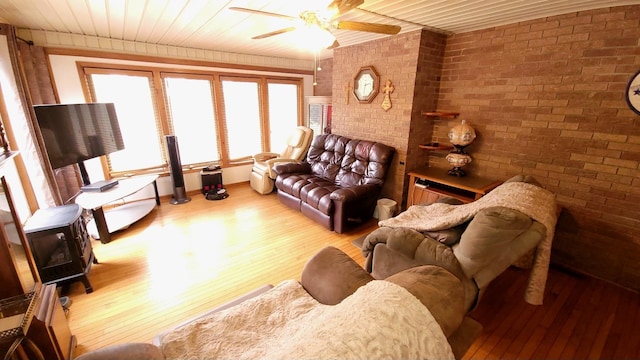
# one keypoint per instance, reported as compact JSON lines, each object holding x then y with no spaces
{"x":73,"y":133}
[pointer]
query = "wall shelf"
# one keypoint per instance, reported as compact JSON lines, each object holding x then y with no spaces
{"x":441,"y":114}
{"x":435,"y":146}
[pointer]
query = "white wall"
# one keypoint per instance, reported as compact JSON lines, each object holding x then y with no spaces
{"x":69,"y":88}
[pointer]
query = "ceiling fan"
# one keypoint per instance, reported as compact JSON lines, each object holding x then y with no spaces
{"x":325,"y":20}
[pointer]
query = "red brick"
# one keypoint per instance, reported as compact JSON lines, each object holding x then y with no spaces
{"x":546,"y":99}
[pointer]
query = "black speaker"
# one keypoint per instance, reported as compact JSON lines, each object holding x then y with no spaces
{"x":175,"y":168}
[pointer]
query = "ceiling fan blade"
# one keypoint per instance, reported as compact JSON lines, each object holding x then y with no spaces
{"x":277,"y":32}
{"x":260,"y":12}
{"x":334,"y":45}
{"x":345,"y":5}
{"x":368,"y":27}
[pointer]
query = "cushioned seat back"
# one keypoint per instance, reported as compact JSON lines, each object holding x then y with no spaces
{"x":496,"y":238}
{"x":364,"y":162}
{"x":298,"y":143}
{"x":326,"y":154}
{"x":347,"y":162}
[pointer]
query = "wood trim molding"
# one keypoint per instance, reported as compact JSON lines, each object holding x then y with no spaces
{"x":295,"y":67}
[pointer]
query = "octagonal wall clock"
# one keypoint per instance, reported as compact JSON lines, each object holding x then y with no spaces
{"x":633,"y":93}
{"x":366,"y":84}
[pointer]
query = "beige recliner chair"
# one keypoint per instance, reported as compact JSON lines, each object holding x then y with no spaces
{"x":262,"y":175}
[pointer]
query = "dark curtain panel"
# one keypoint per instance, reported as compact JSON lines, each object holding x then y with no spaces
{"x":22,"y":95}
{"x":36,"y":79}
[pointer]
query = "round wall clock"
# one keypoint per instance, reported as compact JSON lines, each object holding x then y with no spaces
{"x":633,"y":93}
{"x":366,"y":84}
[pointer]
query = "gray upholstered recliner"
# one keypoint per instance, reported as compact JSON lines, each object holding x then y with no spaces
{"x":476,"y":251}
{"x":496,"y":238}
{"x":330,"y":277}
{"x":262,"y":175}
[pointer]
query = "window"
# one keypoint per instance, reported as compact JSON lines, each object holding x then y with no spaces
{"x":135,"y":106}
{"x":242,"y":113}
{"x":191,"y":110}
{"x":282,"y":113}
{"x":217,"y":118}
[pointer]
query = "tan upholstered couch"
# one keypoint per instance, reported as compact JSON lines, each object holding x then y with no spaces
{"x":331,"y":277}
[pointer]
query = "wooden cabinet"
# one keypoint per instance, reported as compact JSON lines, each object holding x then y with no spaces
{"x":427,"y":185}
{"x":49,"y":329}
{"x":35,"y":326}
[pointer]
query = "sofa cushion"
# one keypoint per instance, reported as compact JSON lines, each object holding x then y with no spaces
{"x":331,"y":275}
{"x":363,"y":163}
{"x":487,"y":236}
{"x":439,"y":290}
{"x":325,"y":155}
{"x":447,"y":236}
{"x":522,"y":245}
{"x":415,"y":246}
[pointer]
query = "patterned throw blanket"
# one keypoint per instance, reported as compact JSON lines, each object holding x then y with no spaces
{"x":380,"y":320}
{"x":532,"y":200}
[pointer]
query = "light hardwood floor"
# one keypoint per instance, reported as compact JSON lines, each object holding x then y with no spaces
{"x":183,"y":260}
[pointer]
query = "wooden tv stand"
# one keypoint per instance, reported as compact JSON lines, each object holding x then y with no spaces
{"x":427,"y":185}
{"x":119,"y":217}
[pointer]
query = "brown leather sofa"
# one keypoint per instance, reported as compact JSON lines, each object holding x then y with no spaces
{"x":339,"y":183}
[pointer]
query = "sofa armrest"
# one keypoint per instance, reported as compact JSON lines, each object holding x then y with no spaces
{"x":353,"y":193}
{"x":263,"y":156}
{"x":275,"y":161}
{"x":291,"y":168}
{"x":440,"y":291}
{"x":331,"y":275}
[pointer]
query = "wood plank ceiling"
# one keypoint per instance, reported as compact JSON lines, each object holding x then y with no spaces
{"x":211,"y":25}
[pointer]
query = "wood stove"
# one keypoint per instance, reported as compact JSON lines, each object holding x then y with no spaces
{"x":60,"y":245}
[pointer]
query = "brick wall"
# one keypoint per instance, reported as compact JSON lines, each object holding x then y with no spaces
{"x":323,"y":78}
{"x":397,"y":59}
{"x":546,"y":98}
{"x":425,"y":98}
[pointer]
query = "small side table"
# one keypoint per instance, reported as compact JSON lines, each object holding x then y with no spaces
{"x":427,"y":185}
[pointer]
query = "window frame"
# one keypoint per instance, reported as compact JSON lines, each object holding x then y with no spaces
{"x":85,"y":69}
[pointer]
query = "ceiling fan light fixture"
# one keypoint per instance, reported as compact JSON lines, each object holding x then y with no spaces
{"x":315,"y":37}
